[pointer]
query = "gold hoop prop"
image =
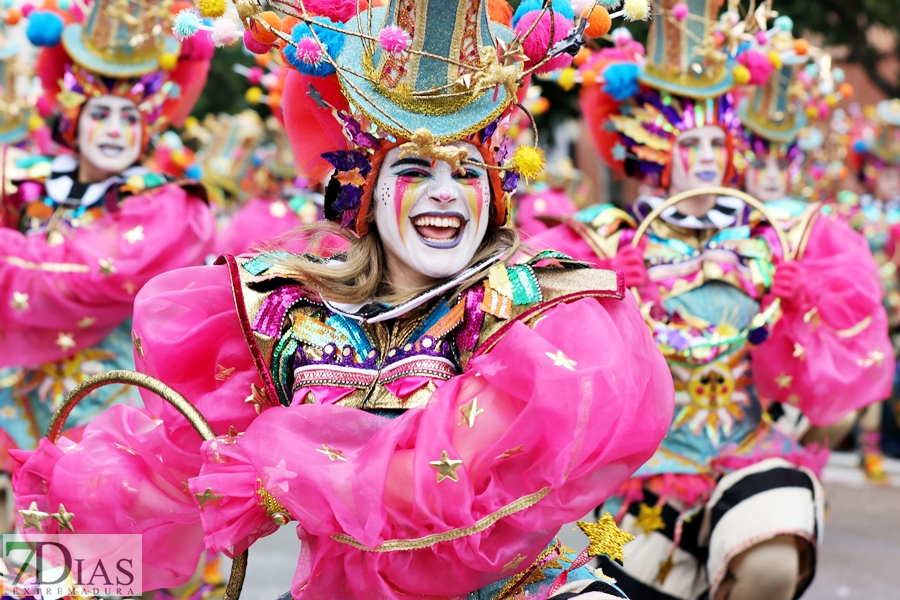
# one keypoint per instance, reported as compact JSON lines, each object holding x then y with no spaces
{"x":718,"y":191}
{"x":181,"y":404}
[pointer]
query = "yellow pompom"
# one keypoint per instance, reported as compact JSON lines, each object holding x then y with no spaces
{"x":513,"y":131}
{"x":775,"y":59}
{"x":212,"y":9}
{"x":567,"y":79}
{"x":179,"y":158}
{"x":35,"y":122}
{"x":254,"y":95}
{"x":636,"y":10}
{"x":168,"y":61}
{"x":135,"y":182}
{"x":741,"y":74}
{"x":831,"y":100}
{"x":191,"y":122}
{"x":528,"y":161}
{"x":812,"y":112}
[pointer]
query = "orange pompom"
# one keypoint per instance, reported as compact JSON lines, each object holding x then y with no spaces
{"x":263,"y":59}
{"x":263,"y":35}
{"x":845,"y":172}
{"x":846,"y":90}
{"x":13,"y":16}
{"x":274,"y":100}
{"x":588,"y":78}
{"x":288,"y":23}
{"x":541,"y":105}
{"x":582,"y":57}
{"x":599,"y":22}
{"x":801,"y":47}
{"x":499,"y":11}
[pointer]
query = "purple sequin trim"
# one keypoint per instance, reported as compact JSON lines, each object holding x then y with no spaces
{"x":271,"y":314}
{"x":510,"y":181}
{"x":467,"y":338}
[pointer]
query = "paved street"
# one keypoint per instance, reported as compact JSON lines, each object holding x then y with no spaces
{"x":860,"y":559}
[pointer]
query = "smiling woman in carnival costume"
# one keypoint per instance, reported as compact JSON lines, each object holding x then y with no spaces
{"x":729,"y":507}
{"x":427,"y":412}
{"x":772,"y":119}
{"x":83,"y":232}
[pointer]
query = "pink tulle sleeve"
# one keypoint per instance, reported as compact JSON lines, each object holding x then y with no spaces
{"x":128,"y":473}
{"x":830,"y":353}
{"x":563,"y":238}
{"x":257,"y":222}
{"x":58,"y":299}
{"x":535,"y":434}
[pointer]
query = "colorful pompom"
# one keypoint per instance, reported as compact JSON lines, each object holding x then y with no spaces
{"x":567,"y":78}
{"x":263,"y":35}
{"x":394,"y":40}
{"x":225,"y":33}
{"x":254,"y":95}
{"x":27,"y":9}
{"x":757,"y":65}
{"x":621,"y":80}
{"x":621,"y":36}
{"x":784,"y":23}
{"x":537,"y":44}
{"x":13,"y":16}
{"x":212,"y":9}
{"x":336,"y":10}
{"x":187,"y":23}
{"x":168,"y":61}
{"x":636,"y":10}
{"x":801,"y":47}
{"x":561,"y":8}
{"x":254,"y":75}
{"x":741,"y":74}
{"x":775,"y":58}
{"x":680,"y":11}
{"x":528,"y":162}
{"x":35,"y":122}
{"x":332,"y":42}
{"x":588,"y":78}
{"x":309,"y":51}
{"x":599,"y":22}
{"x":44,"y":28}
{"x":253,"y":46}
{"x":846,"y":90}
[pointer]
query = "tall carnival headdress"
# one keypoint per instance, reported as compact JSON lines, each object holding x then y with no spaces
{"x":15,"y":108}
{"x":418,"y":74}
{"x":121,"y":48}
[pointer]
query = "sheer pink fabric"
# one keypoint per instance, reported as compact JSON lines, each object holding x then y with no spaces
{"x":833,"y":344}
{"x":575,"y":429}
{"x":254,"y":224}
{"x":68,"y":291}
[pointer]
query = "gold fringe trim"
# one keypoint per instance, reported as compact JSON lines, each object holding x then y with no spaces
{"x":856,"y":329}
{"x":49,"y":267}
{"x":453,"y":534}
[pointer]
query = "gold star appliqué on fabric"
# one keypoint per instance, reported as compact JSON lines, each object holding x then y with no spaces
{"x":107,"y":267}
{"x":223,"y":374}
{"x":64,"y":518}
{"x":138,"y":344}
{"x":33,"y":518}
{"x":561,"y":360}
{"x":469,"y":412}
{"x":512,"y":452}
{"x":606,"y":538}
{"x":135,"y":235}
{"x":65,"y":341}
{"x":514,"y":563}
{"x":650,"y":518}
{"x":208,"y":496}
{"x":19,"y":301}
{"x":784,"y":381}
{"x":333,"y":454}
{"x":446,"y":467}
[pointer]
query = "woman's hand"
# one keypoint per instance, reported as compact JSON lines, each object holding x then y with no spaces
{"x":790,"y":282}
{"x":630,"y":261}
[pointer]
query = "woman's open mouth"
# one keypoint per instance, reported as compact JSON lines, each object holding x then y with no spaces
{"x":706,"y":175}
{"x":111,"y":150}
{"x":439,"y":230}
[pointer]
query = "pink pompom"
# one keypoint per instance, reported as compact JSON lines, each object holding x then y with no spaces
{"x":44,"y":107}
{"x":394,"y":40}
{"x":538,"y":43}
{"x":804,"y":78}
{"x":336,"y":10}
{"x":761,"y":38}
{"x":254,"y":75}
{"x":309,"y":51}
{"x":758,"y":64}
{"x":224,"y":33}
{"x":680,"y":11}
{"x":198,"y":47}
{"x":621,"y":36}
{"x":252,"y":45}
{"x":27,"y":9}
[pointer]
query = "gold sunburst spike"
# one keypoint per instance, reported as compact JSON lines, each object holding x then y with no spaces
{"x":606,"y":538}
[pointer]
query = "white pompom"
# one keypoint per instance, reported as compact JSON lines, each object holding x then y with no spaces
{"x":225,"y":32}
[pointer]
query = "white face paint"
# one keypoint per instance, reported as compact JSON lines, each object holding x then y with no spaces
{"x":109,"y":134}
{"x":887,"y":183}
{"x":431,"y":218}
{"x":698,"y":161}
{"x":767,"y":178}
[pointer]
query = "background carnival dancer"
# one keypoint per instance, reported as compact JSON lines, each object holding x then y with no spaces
{"x":404,"y":402}
{"x":83,"y":231}
{"x":729,"y":506}
{"x":772,"y":116}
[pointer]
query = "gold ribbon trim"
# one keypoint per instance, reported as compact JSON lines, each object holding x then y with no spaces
{"x":856,"y":329}
{"x":49,"y":267}
{"x":453,"y":534}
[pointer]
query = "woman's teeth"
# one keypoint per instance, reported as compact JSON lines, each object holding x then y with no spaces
{"x":111,"y":150}
{"x":454,"y":222}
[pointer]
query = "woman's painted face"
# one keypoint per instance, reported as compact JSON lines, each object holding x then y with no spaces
{"x":699,"y":159}
{"x":109,"y":133}
{"x":767,"y":178}
{"x":432,"y":218}
{"x":887,"y":183}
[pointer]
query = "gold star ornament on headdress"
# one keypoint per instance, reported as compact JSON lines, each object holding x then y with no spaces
{"x":606,"y":538}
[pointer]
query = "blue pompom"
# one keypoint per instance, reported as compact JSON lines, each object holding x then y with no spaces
{"x":193,"y":172}
{"x":784,"y":23}
{"x":562,"y":8}
{"x":44,"y":28}
{"x":860,"y":146}
{"x":621,"y":80}
{"x":333,"y":42}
